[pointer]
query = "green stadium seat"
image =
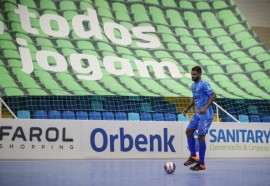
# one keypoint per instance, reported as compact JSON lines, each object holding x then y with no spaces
{"x":182,"y":32}
{"x":219,"y":56}
{"x":266,"y":64}
{"x":173,"y":14}
{"x":167,"y":3}
{"x":263,"y":57}
{"x":68,"y":14}
{"x":118,"y":6}
{"x":226,"y":13}
{"x":122,"y":16}
{"x":212,"y":48}
{"x":153,"y":85}
{"x":64,"y":43}
{"x":172,"y":85}
{"x":200,"y":56}
{"x":206,"y":62}
{"x":215,"y":70}
{"x":224,"y":39}
{"x":202,"y":5}
{"x":256,"y":50}
{"x":242,"y":35}
{"x":251,"y":67}
{"x":104,"y":12}
{"x":67,"y":5}
{"x":143,"y":53}
{"x":245,"y":60}
{"x":113,"y":85}
{"x":86,"y":4}
{"x":219,"y":4}
{"x":162,"y":54}
{"x":230,"y":21}
{"x":102,"y":3}
{"x":193,"y":48}
{"x":195,"y":24}
{"x":141,"y":17}
{"x":189,"y":15}
{"x":264,"y":83}
{"x":200,"y":33}
{"x":157,"y":15}
{"x":175,"y":47}
{"x":236,"y":28}
{"x":218,"y":32}
{"x":208,"y":16}
{"x":164,"y":29}
{"x":259,"y":75}
{"x":181,"y":55}
{"x":186,"y":5}
{"x":187,"y":40}
{"x":105,"y":47}
{"x":124,"y":50}
{"x":228,"y":47}
{"x":154,"y":2}
{"x":249,"y":42}
{"x":29,"y":3}
{"x":177,"y":22}
{"x":206,"y":41}
{"x":233,"y":68}
{"x":137,"y":8}
{"x":47,"y":5}
{"x":88,"y":85}
{"x":213,"y":24}
{"x":169,"y":38}
{"x":239,"y":77}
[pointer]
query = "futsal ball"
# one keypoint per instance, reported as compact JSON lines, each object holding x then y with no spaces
{"x":169,"y":167}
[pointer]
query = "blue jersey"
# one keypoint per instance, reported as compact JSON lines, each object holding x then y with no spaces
{"x":202,"y":91}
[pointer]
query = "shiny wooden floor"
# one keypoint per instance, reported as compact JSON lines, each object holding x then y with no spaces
{"x":222,"y":172}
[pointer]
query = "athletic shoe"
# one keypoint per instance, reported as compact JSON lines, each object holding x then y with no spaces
{"x":191,"y":160}
{"x":197,"y":167}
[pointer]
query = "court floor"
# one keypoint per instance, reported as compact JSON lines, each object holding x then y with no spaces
{"x":221,"y":172}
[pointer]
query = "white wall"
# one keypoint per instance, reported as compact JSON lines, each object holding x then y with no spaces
{"x":255,"y":11}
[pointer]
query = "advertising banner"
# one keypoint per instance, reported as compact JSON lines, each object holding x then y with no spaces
{"x":71,"y":139}
{"x":123,"y":139}
{"x":231,"y":140}
{"x":39,"y":139}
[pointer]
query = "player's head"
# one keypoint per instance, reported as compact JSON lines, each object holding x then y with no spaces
{"x":196,"y":73}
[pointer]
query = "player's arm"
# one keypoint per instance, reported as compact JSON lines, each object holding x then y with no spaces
{"x":210,"y":101}
{"x":190,"y":105}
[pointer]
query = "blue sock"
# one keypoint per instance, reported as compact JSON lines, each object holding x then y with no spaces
{"x":191,"y":145}
{"x":202,"y":152}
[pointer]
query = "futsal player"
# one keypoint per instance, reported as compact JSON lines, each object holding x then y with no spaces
{"x":203,"y":97}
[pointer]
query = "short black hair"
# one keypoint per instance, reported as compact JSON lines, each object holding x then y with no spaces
{"x":197,"y":69}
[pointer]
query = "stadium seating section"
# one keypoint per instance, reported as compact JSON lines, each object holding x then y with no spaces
{"x":120,"y":108}
{"x":212,"y":34}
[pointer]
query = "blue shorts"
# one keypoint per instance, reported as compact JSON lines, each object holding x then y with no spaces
{"x":201,"y":123}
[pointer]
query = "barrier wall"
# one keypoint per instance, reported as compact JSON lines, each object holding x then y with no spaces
{"x":73,"y":139}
